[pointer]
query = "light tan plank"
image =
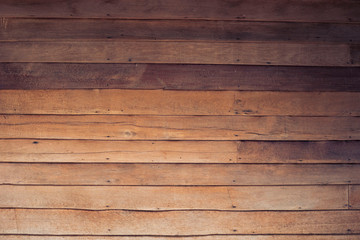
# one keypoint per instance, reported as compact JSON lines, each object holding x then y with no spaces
{"x":23,"y":29}
{"x":297,"y":54}
{"x":22,"y":221}
{"x":354,"y":197}
{"x":280,"y":10}
{"x":160,"y":102}
{"x":179,"y":127}
{"x":178,"y":174}
{"x":227,"y":237}
{"x":36,"y":150}
{"x":175,"y":198}
{"x":92,"y":151}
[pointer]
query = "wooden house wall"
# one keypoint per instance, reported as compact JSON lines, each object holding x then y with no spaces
{"x":180,"y":119}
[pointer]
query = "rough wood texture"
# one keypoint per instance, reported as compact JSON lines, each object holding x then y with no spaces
{"x":28,"y":221}
{"x":221,"y":237}
{"x":354,"y":197}
{"x":92,"y":151}
{"x":268,"y":53}
{"x":113,"y":127}
{"x":177,"y":77}
{"x":18,"y":29}
{"x":175,"y":198}
{"x":160,"y":102}
{"x":178,"y":174}
{"x":283,"y":10}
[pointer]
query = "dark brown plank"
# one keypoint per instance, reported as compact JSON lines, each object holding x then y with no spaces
{"x":281,"y":10}
{"x":124,"y":127}
{"x":177,"y":77}
{"x":61,"y":222}
{"x":19,"y":29}
{"x":167,"y":102}
{"x":178,"y":174}
{"x":354,"y":197}
{"x":94,"y":151}
{"x":256,"y":53}
{"x":176,"y":198}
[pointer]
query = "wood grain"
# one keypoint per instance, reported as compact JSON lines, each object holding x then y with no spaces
{"x":268,"y":53}
{"x":24,"y":29}
{"x":114,"y":127}
{"x":294,"y":10}
{"x":26,"y":221}
{"x":177,"y":77}
{"x":178,"y":174}
{"x":94,"y":151}
{"x":227,"y":237}
{"x":160,"y":102}
{"x":175,"y":198}
{"x":354,"y":197}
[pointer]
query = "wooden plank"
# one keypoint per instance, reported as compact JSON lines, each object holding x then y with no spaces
{"x":123,"y":127}
{"x":269,"y":53}
{"x":176,"y":198}
{"x":283,"y":10}
{"x":93,"y":151}
{"x":177,"y":77}
{"x":354,"y":197}
{"x":221,"y":237}
{"x":160,"y":102}
{"x":178,"y":174}
{"x":58,"y":222}
{"x":22,"y":29}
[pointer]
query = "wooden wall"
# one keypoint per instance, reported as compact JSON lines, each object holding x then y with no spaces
{"x":180,"y":119}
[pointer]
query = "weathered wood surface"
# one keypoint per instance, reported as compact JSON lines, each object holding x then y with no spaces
{"x":95,"y":151}
{"x":115,"y":127}
{"x":161,"y":102}
{"x":177,"y":77}
{"x":221,"y":237}
{"x":354,"y":197}
{"x":265,"y":53}
{"x":116,"y":222}
{"x":178,"y":174}
{"x":283,"y":10}
{"x":175,"y":198}
{"x":20,"y":29}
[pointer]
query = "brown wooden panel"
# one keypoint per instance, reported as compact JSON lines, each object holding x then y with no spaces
{"x":354,"y":197}
{"x":269,"y":53}
{"x":221,"y":237}
{"x":177,"y":77}
{"x":175,"y":198}
{"x":58,"y":222}
{"x":160,"y":102}
{"x":39,"y":150}
{"x":114,"y":127}
{"x":178,"y":174}
{"x":73,"y":29}
{"x":294,"y":10}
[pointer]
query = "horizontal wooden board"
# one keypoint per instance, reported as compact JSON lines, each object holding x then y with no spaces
{"x":221,"y":237}
{"x":115,"y":127}
{"x":161,"y":102}
{"x":175,"y":198}
{"x":178,"y":174}
{"x":308,"y":11}
{"x":177,"y":77}
{"x":59,"y":222}
{"x":268,"y":53}
{"x":354,"y":197}
{"x":15,"y":29}
{"x":92,"y":151}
